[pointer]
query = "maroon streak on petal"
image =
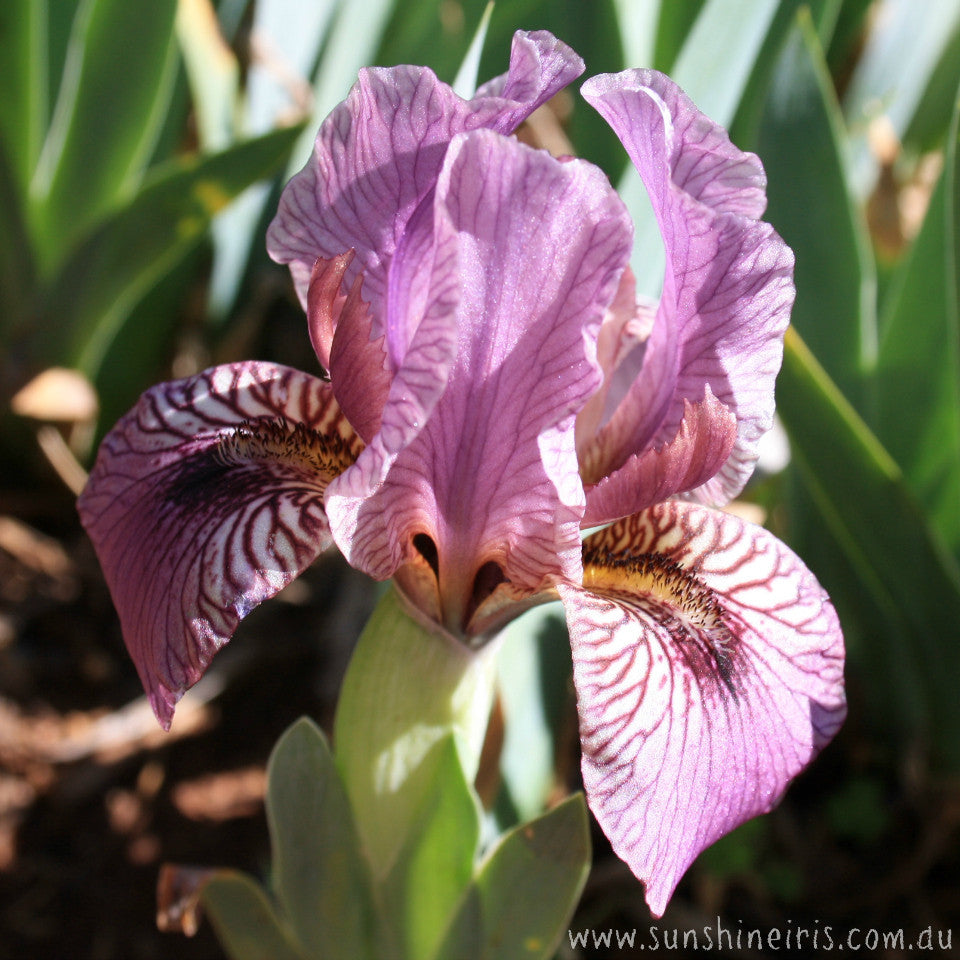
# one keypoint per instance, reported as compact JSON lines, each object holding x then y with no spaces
{"x":325,"y":303}
{"x":206,"y":499}
{"x":340,"y":329}
{"x":701,"y":446}
{"x":709,"y":671}
{"x":728,"y":286}
{"x":491,"y":483}
{"x":379,"y":154}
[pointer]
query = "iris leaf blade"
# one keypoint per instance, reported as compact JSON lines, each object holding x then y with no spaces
{"x":435,"y":866}
{"x":321,"y":877}
{"x":802,"y":143}
{"x":918,"y":370}
{"x":525,"y":892}
{"x":245,"y":920}
{"x":903,"y":569}
{"x":122,"y":55}
{"x":120,"y":261}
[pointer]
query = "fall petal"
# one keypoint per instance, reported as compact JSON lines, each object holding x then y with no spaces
{"x":492,"y":477}
{"x":379,"y":154}
{"x":728,"y":287}
{"x":702,"y":445}
{"x":206,"y":499}
{"x":708,"y":664}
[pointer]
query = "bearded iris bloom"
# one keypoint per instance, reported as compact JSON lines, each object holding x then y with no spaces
{"x":495,"y":388}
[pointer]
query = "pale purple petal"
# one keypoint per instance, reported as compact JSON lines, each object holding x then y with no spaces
{"x":206,"y":499}
{"x":492,"y":479}
{"x":728,"y":287}
{"x":709,"y":671}
{"x":702,"y":445}
{"x":378,"y":155}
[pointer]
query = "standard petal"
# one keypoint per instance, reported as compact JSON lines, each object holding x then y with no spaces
{"x":491,"y":482}
{"x":702,"y":445}
{"x":728,"y":288}
{"x":709,"y":671}
{"x":379,"y":153}
{"x":206,"y":499}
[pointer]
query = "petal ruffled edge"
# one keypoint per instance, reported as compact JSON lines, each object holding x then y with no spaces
{"x":728,"y":289}
{"x":379,"y":152}
{"x":701,"y":447}
{"x":205,"y":500}
{"x":708,"y":664}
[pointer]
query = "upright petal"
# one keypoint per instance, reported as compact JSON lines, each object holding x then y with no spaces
{"x":379,"y":153}
{"x":708,"y":664}
{"x":728,"y":286}
{"x":702,"y":445}
{"x":491,"y":481}
{"x":206,"y":499}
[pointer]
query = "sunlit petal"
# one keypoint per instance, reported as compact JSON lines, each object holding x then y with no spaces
{"x":708,"y":664}
{"x":206,"y":499}
{"x":379,"y":154}
{"x":492,"y":478}
{"x":728,"y":286}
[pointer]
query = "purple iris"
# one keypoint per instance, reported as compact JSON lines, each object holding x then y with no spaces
{"x":494,"y":388}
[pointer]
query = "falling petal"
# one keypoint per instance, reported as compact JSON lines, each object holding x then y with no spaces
{"x":708,"y":664}
{"x":206,"y":499}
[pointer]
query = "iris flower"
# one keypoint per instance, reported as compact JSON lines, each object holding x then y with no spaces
{"x":492,"y":389}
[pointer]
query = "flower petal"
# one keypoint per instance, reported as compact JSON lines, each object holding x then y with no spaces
{"x":702,"y":445}
{"x":206,"y":499}
{"x":492,"y":478}
{"x":708,"y":664}
{"x":341,"y":329}
{"x":379,"y":154}
{"x":728,"y":287}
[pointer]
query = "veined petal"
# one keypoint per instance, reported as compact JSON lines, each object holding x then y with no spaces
{"x":341,"y":329}
{"x":709,"y":671}
{"x":702,"y":445}
{"x":491,"y":481}
{"x":728,"y":288}
{"x":206,"y":499}
{"x":379,"y":154}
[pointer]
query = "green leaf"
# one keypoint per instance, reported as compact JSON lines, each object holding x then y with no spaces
{"x":904,"y":573}
{"x":533,"y":674}
{"x":467,"y":79}
{"x":23,"y":106}
{"x":525,"y":892}
{"x":918,"y":370}
{"x":245,"y":921}
{"x":125,"y":256}
{"x":320,"y":876}
{"x":802,"y":143}
{"x":16,"y":263}
{"x":436,"y":863}
{"x":407,"y":689}
{"x":119,"y":74}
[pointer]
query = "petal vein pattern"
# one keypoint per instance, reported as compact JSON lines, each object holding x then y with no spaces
{"x":493,"y":476}
{"x":728,"y":288}
{"x":379,"y":153}
{"x":206,"y":499}
{"x":708,"y":664}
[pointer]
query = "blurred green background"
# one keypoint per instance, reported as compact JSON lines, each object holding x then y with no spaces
{"x":142,"y":150}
